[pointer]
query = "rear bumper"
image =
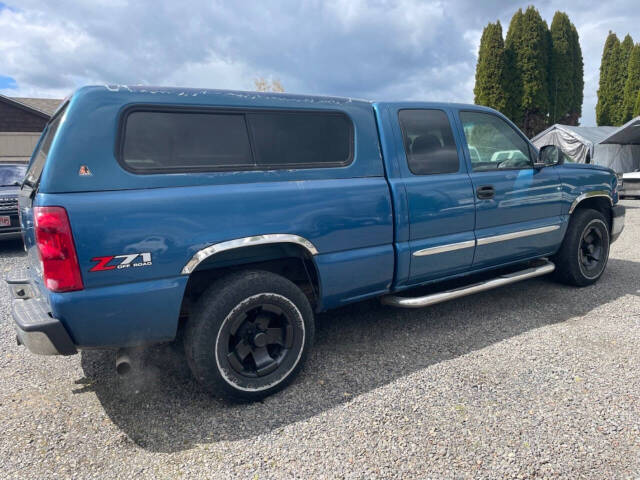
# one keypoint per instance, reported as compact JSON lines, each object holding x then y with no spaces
{"x":632,"y":190}
{"x":35,"y":327}
{"x":12,"y":235}
{"x":630,"y":185}
{"x":617,"y":221}
{"x":13,"y":231}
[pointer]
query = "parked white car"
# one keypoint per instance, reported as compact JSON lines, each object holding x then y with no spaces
{"x":630,"y":184}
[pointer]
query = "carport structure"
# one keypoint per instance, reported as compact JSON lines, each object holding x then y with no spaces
{"x":614,"y":147}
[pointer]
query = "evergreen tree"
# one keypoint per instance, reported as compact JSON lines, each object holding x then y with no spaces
{"x":534,"y":77}
{"x":577,"y":75}
{"x":636,"y":110}
{"x":607,"y":65}
{"x":512,"y":78}
{"x":528,"y":44}
{"x":632,"y":85}
{"x":614,"y":79}
{"x":562,"y":88}
{"x":620,"y":79}
{"x":548,"y":48}
{"x":490,"y":69}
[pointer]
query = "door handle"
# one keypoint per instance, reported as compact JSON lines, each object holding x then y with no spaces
{"x":485,"y":192}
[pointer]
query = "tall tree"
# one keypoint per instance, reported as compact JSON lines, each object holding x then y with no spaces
{"x":528,"y":44}
{"x":562,"y":88}
{"x":620,"y":79}
{"x":577,"y":75}
{"x":512,"y":78}
{"x":632,"y":85}
{"x":490,"y":69}
{"x":614,"y":82}
{"x":636,"y":109}
{"x":604,"y":115}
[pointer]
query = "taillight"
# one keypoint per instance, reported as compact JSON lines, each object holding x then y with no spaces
{"x":60,"y":267}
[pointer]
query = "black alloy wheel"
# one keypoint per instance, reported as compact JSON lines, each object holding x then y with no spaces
{"x":257,"y":340}
{"x":584,"y":252}
{"x":249,"y":334}
{"x":592,"y":252}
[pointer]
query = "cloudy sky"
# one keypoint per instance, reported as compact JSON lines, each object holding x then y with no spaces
{"x":376,"y":49}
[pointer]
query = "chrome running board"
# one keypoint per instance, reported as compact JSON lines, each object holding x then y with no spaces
{"x":432,"y":299}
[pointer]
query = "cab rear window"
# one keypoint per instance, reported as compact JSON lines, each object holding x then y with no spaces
{"x":159,"y":141}
{"x":428,"y":141}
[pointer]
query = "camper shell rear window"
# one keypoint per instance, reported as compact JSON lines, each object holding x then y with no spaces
{"x":178,"y":140}
{"x":39,"y":158}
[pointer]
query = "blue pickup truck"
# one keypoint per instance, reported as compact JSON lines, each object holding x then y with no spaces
{"x":226,"y":219}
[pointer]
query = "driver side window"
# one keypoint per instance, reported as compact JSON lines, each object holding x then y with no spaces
{"x":493,"y":143}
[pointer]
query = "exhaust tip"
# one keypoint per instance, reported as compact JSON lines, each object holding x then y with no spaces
{"x":123,"y":368}
{"x":123,"y":362}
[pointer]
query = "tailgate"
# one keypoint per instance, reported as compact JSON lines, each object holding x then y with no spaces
{"x":26,"y":222}
{"x":28,"y":191}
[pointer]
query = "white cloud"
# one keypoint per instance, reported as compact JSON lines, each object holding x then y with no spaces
{"x":210,"y":71}
{"x":379,"y":49}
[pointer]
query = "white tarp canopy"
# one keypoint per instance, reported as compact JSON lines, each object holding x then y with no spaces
{"x":614,"y":147}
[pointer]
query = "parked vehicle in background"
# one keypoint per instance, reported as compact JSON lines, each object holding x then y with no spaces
{"x":11,"y":177}
{"x":228,"y":219}
{"x":509,"y":158}
{"x":630,"y":185}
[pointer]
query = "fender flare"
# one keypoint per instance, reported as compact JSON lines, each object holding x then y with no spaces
{"x":265,"y":239}
{"x":591,"y":194}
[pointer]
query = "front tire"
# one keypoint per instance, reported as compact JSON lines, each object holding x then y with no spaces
{"x":249,"y":335}
{"x":584,"y":252}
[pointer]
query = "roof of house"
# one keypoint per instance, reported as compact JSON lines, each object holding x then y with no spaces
{"x":44,"y":105}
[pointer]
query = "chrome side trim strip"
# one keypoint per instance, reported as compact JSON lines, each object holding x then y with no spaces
{"x":584,"y":196}
{"x":484,"y":241}
{"x":206,"y":252}
{"x":419,"y":302}
{"x":450,"y":247}
{"x":514,"y":235}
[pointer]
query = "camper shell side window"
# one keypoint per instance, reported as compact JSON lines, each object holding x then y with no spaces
{"x":179,"y":140}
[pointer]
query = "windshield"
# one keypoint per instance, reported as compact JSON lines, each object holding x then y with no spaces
{"x":12,"y":175}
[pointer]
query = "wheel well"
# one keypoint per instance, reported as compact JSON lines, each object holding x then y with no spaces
{"x":288,"y":260}
{"x":601,"y":204}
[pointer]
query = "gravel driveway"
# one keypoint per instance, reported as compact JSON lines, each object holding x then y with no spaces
{"x":534,"y":380}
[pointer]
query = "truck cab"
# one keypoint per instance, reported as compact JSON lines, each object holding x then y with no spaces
{"x":227,"y":219}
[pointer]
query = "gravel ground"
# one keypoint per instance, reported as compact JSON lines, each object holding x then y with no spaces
{"x":536,"y":380}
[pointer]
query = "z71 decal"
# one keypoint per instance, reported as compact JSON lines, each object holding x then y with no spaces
{"x":117,"y":262}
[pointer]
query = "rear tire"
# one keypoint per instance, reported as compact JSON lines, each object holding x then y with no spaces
{"x":249,"y":335}
{"x":584,"y":252}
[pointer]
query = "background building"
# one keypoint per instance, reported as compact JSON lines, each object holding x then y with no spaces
{"x":21,"y":122}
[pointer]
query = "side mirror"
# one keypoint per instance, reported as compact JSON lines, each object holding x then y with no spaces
{"x":548,"y":155}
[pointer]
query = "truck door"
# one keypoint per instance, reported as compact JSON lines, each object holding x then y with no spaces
{"x":439,"y":196}
{"x":517,"y":207}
